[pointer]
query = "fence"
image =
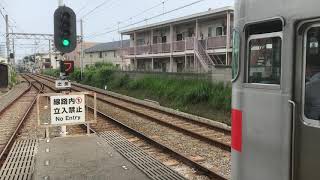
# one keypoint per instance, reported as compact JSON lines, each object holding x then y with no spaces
{"x":221,"y":74}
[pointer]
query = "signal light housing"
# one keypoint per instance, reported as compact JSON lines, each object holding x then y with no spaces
{"x":65,"y":29}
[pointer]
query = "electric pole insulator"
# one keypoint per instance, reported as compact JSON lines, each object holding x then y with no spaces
{"x":65,"y":29}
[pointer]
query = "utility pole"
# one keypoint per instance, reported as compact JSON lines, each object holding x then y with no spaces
{"x":13,"y":51}
{"x":81,"y":48}
{"x":50,"y":54}
{"x":60,"y":2}
{"x":7,"y":38}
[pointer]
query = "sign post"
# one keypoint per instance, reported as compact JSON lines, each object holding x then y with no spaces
{"x":67,"y":109}
{"x":60,"y":110}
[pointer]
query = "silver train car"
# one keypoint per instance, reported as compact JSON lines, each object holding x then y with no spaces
{"x":276,"y":90}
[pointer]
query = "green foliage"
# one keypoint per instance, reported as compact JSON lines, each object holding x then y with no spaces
{"x":13,"y":78}
{"x":181,"y":92}
{"x":199,"y":97}
{"x":51,"y":72}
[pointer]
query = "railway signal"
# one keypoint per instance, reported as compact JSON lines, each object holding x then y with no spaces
{"x":65,"y":29}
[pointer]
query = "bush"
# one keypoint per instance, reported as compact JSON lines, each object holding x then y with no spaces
{"x":181,"y":92}
{"x":51,"y":72}
{"x":200,"y":97}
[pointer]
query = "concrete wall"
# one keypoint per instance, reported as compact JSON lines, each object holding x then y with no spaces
{"x":217,"y":75}
{"x":204,"y":27}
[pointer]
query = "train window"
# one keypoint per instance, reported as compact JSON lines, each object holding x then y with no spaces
{"x":264,"y":66}
{"x":235,"y":54}
{"x":312,"y":74}
{"x":265,"y":27}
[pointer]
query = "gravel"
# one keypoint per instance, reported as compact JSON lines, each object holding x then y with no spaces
{"x":15,"y":92}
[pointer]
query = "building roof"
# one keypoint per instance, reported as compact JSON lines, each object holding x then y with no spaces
{"x":109,"y":46}
{"x":210,"y":12}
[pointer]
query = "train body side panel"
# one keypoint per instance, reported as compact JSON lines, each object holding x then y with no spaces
{"x":267,"y":115}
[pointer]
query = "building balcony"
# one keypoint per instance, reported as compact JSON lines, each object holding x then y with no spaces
{"x":188,"y":44}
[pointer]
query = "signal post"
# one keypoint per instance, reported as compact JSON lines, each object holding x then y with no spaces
{"x":65,"y":41}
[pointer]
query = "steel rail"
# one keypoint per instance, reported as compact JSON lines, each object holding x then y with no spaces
{"x":157,"y":144}
{"x":22,"y":120}
{"x":99,"y":91}
{"x":194,"y":134}
{"x":13,"y":101}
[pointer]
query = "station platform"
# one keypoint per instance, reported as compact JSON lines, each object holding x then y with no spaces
{"x":103,"y":156}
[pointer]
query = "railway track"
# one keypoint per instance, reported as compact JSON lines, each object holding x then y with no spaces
{"x":211,"y":134}
{"x":13,"y":117}
{"x":190,"y":158}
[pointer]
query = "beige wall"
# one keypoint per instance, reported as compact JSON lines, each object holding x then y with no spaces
{"x":107,"y":57}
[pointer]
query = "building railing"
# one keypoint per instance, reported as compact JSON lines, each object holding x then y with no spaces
{"x":216,"y":42}
{"x":144,"y":49}
{"x":160,"y":48}
{"x":177,"y":46}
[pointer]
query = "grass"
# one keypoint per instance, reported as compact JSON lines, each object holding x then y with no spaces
{"x":199,"y":97}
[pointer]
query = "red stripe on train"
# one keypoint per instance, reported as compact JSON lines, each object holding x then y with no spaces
{"x":236,"y":130}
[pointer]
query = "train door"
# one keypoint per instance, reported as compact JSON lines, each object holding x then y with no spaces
{"x":306,"y":104}
{"x":263,"y":153}
{"x":4,"y":81}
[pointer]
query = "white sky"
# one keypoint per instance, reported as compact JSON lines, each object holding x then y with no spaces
{"x":36,"y":16}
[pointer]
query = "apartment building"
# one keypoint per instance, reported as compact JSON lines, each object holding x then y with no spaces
{"x":46,"y":60}
{"x":194,"y":43}
{"x":75,"y":55}
{"x":108,"y":53}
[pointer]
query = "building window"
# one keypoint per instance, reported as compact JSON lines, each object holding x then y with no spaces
{"x":164,"y":39}
{"x":100,"y":54}
{"x":155,"y":39}
{"x":264,"y":59}
{"x":210,"y":29}
{"x":91,"y":55}
{"x":157,"y":65}
{"x":219,"y":31}
{"x":190,"y":32}
{"x":114,"y":54}
{"x":140,"y":42}
{"x":179,"y":37}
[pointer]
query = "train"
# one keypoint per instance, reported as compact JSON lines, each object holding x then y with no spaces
{"x":276,"y":90}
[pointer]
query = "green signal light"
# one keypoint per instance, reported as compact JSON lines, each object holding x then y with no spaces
{"x":65,"y":42}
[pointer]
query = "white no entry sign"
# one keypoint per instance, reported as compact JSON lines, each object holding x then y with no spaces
{"x":67,"y":109}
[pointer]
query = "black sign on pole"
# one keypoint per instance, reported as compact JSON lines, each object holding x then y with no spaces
{"x":65,"y":29}
{"x":68,"y":67}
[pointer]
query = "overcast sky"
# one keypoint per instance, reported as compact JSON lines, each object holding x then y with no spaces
{"x":36,"y":16}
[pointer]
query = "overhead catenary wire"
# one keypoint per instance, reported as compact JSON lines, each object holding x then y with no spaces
{"x":94,"y":9}
{"x":136,"y":15}
{"x":11,"y":20}
{"x":146,"y":19}
{"x":83,"y":7}
{"x":144,"y":11}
